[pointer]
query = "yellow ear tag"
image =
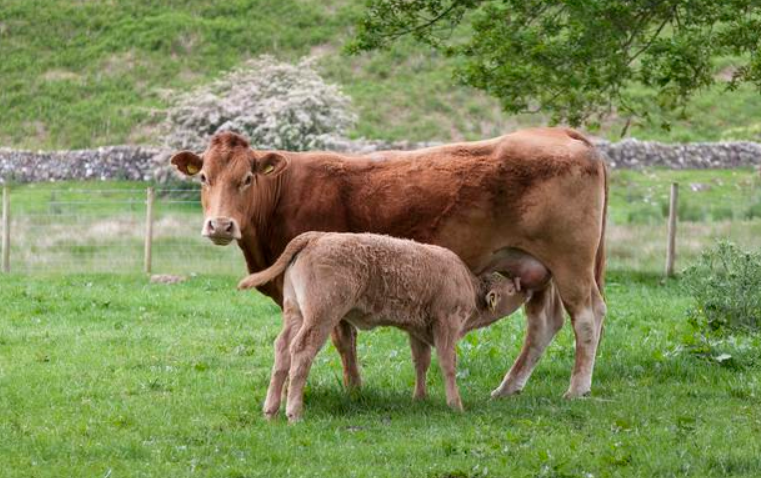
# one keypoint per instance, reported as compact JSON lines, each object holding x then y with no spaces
{"x":269,"y":168}
{"x":192,"y":169}
{"x":492,"y":301}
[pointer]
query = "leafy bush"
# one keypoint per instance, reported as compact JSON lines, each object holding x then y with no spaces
{"x":726,"y":287}
{"x":276,"y":105}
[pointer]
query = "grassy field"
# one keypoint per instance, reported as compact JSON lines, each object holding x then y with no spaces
{"x":106,"y":375}
{"x":99,"y":226}
{"x":80,"y":74}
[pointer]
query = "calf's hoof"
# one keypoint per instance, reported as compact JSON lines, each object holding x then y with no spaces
{"x":270,"y":415}
{"x":294,"y":417}
{"x":293,"y":414}
{"x":418,"y":396}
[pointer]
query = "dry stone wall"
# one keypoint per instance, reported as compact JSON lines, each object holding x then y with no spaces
{"x":144,"y":163}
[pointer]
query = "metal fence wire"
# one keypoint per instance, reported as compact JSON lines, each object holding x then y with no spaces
{"x":104,"y":230}
{"x":89,"y":230}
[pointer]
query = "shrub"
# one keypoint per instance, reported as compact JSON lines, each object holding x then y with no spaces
{"x":726,"y":287}
{"x":276,"y":105}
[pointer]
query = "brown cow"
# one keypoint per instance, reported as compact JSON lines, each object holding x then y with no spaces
{"x":516,"y":203}
{"x":371,"y":280}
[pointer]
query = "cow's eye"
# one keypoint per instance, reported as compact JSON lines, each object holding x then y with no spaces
{"x":249,"y":179}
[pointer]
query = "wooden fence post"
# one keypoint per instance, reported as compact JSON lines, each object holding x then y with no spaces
{"x":6,"y":230}
{"x":671,"y":245}
{"x":148,"y":231}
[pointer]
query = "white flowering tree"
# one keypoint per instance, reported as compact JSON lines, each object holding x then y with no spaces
{"x":276,"y":105}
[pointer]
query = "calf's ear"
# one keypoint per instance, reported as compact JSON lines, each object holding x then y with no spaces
{"x":271,"y":164}
{"x":491,"y":300}
{"x":187,"y":162}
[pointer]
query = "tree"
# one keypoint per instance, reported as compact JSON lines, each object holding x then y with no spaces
{"x":578,"y":59}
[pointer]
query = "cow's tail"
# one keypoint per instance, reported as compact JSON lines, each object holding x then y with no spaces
{"x":600,"y":258}
{"x":291,"y":250}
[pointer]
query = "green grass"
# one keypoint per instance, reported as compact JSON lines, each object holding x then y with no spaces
{"x":81,"y":74}
{"x":99,"y":226}
{"x":105,"y":375}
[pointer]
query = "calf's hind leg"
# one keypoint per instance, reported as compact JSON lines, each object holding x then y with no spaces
{"x":317,"y":324}
{"x":421,"y":357}
{"x":291,"y":323}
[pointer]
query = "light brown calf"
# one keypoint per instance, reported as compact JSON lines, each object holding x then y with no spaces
{"x":370,"y":280}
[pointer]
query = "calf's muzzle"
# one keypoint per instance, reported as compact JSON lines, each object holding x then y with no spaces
{"x":221,"y":230}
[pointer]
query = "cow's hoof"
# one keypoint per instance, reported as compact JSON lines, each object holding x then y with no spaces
{"x":574,"y":394}
{"x":270,"y":415}
{"x":456,"y":406}
{"x":499,"y":393}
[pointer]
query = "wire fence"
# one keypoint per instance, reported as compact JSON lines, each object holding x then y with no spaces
{"x":104,"y":230}
{"x":77,"y":230}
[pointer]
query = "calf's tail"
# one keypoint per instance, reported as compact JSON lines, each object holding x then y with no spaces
{"x":291,"y":250}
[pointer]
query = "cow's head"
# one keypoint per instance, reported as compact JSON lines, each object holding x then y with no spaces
{"x":238,"y":184}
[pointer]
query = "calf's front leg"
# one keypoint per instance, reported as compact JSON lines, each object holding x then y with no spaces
{"x":344,"y":337}
{"x":421,"y":357}
{"x":446,"y":343}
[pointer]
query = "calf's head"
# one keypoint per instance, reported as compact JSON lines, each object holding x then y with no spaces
{"x":501,"y":295}
{"x":239,"y":185}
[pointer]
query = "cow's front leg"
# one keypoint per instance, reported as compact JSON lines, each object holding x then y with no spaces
{"x":544,"y":317}
{"x":344,"y":337}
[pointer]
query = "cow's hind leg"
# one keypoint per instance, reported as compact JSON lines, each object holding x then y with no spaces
{"x":421,"y":357}
{"x":544,"y":317}
{"x":291,"y":324}
{"x":344,"y":337}
{"x":584,"y":303}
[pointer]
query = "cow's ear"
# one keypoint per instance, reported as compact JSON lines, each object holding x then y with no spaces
{"x":187,"y":162}
{"x":271,"y":164}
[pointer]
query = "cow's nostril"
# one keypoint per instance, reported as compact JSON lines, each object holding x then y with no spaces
{"x":211,"y":226}
{"x":229,"y":227}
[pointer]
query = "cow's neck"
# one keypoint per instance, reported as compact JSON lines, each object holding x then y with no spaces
{"x":257,"y":241}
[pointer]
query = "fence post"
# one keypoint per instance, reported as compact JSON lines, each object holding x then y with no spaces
{"x":6,"y":230}
{"x":148,"y":231}
{"x":671,"y":246}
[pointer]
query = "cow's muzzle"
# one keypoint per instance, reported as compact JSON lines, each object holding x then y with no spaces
{"x":221,"y":230}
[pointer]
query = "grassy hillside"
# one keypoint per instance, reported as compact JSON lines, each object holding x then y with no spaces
{"x":78,"y":74}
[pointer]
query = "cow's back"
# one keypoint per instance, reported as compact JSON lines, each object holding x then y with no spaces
{"x":472,"y":198}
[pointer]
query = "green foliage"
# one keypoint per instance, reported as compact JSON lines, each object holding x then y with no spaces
{"x":78,"y":74}
{"x":577,"y":60}
{"x":725,"y":284}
